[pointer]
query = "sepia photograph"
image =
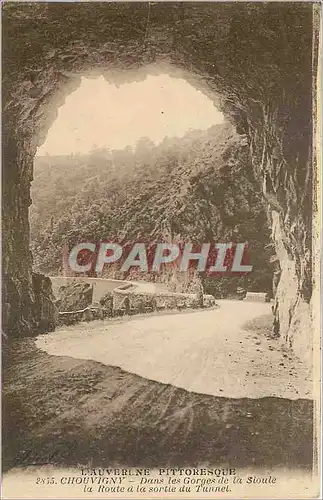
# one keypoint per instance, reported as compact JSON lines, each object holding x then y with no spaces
{"x":161,"y":247}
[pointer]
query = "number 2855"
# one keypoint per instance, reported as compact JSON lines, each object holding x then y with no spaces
{"x":45,"y":480}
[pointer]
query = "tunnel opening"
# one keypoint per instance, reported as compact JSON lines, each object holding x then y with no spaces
{"x":156,"y":149}
{"x":113,"y":125}
{"x":267,"y":93}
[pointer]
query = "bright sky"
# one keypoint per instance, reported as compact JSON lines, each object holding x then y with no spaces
{"x":101,"y":114}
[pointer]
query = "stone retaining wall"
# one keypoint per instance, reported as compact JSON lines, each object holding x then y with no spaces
{"x":128,"y":299}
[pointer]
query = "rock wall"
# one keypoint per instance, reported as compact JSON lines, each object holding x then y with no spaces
{"x":253,"y":59}
{"x":74,"y":296}
{"x":292,"y":306}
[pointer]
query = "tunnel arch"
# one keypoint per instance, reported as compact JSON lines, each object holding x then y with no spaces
{"x":255,"y":59}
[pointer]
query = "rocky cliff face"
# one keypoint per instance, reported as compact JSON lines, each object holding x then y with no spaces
{"x":74,"y":296}
{"x":254,"y":60}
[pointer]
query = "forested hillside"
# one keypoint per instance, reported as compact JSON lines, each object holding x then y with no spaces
{"x":199,"y":188}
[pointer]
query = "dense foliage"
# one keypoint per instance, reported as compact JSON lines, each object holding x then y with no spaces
{"x":199,"y":188}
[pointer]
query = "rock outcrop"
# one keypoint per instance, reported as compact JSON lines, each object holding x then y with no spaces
{"x":74,"y":296}
{"x":255,"y":60}
{"x":45,"y":311}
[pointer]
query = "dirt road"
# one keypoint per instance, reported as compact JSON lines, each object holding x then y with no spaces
{"x":69,"y":408}
{"x":208,"y":352}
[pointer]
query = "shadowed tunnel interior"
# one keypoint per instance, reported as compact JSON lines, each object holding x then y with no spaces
{"x":256,"y":60}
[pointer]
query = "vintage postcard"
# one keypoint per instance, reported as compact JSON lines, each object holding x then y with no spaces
{"x":161,"y":201}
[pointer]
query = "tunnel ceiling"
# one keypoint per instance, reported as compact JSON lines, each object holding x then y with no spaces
{"x":257,"y":56}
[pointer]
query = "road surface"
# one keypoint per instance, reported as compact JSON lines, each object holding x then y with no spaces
{"x":160,"y":390}
{"x":209,"y":352}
